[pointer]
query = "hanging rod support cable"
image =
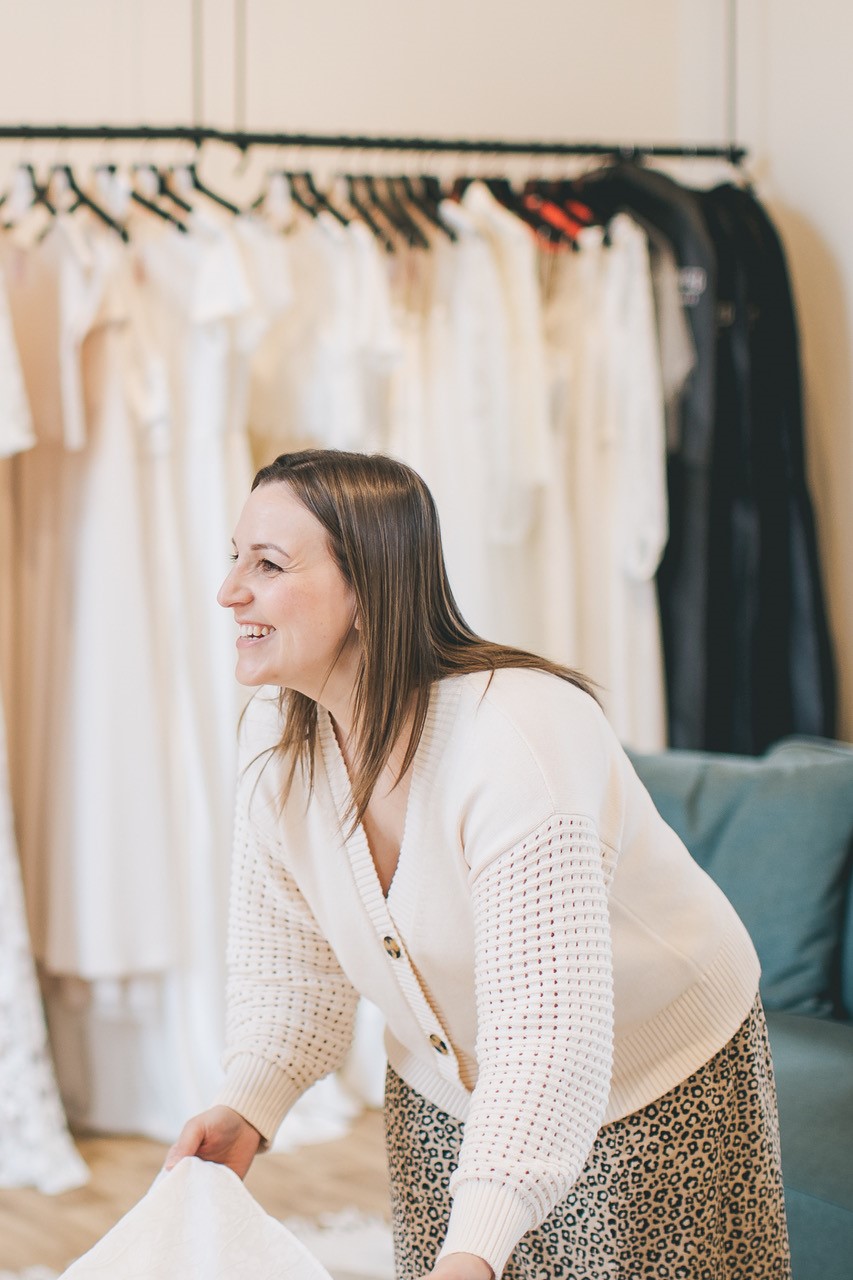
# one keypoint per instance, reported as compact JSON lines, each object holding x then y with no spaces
{"x":244,"y":140}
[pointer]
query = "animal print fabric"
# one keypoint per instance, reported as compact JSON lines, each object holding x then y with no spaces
{"x":688,"y":1188}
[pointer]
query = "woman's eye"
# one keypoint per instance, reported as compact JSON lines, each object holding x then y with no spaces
{"x":265,"y":566}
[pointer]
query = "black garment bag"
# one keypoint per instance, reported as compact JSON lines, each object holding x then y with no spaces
{"x":770,"y":663}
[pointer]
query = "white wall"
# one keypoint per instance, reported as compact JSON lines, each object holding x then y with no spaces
{"x":563,"y":69}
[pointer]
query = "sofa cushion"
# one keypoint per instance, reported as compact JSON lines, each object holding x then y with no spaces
{"x":813,"y":1062}
{"x":775,"y":834}
{"x":815,"y":749}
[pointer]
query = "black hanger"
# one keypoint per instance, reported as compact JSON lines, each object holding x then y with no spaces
{"x":141,"y":200}
{"x":39,"y":194}
{"x":397,"y":214}
{"x":155,"y":208}
{"x":372,"y":200}
{"x":433,"y":189}
{"x":40,"y":191}
{"x":88,"y":203}
{"x":321,"y":201}
{"x":420,"y":239}
{"x":204,"y":190}
{"x":309,"y":206}
{"x":164,"y":189}
{"x":425,"y":205}
{"x":151,"y":205}
{"x":376,"y":202}
{"x":366,"y":216}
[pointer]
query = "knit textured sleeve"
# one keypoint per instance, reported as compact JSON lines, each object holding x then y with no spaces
{"x":544,"y":1035}
{"x":290,"y":1008}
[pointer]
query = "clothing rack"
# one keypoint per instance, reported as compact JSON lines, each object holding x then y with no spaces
{"x":243,"y":140}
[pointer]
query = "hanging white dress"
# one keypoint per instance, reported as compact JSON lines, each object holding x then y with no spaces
{"x":111,"y":909}
{"x":451,"y":408}
{"x":195,"y":286}
{"x":112,"y":809}
{"x":554,"y":562}
{"x":526,"y":465}
{"x":522,"y":461}
{"x":35,"y":1148}
{"x":288,"y":401}
{"x":54,"y":286}
{"x":321,"y":376}
{"x":341,"y":421}
{"x":265,"y":258}
{"x":617,"y":485}
{"x":375,"y":337}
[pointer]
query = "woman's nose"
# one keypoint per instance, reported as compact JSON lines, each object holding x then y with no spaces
{"x":233,"y":591}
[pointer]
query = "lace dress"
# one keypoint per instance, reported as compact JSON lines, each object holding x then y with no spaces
{"x":35,"y":1148}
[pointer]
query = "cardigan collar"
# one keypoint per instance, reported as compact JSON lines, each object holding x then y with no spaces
{"x":402,"y":892}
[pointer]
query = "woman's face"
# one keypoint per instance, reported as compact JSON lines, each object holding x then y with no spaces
{"x":293,"y":607}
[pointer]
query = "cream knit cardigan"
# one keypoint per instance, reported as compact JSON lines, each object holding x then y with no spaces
{"x":549,"y":957}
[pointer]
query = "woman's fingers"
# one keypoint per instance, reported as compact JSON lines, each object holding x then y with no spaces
{"x":220,"y":1135}
{"x":189,"y":1140}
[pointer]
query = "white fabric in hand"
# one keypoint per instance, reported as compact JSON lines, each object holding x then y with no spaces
{"x":197,"y":1221}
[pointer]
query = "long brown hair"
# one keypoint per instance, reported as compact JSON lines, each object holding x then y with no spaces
{"x":383,"y":531}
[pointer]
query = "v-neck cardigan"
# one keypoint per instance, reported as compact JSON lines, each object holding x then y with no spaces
{"x":549,"y":958}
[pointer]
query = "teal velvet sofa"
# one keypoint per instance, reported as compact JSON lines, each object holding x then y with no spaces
{"x":776,"y":833}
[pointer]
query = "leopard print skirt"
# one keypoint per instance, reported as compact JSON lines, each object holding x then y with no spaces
{"x":688,"y":1188}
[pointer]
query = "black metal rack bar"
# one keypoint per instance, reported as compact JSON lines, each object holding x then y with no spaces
{"x":244,"y":140}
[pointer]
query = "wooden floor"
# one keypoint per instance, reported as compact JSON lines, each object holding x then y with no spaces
{"x":54,"y":1230}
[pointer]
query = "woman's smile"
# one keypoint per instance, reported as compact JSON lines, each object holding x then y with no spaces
{"x":252,"y":633}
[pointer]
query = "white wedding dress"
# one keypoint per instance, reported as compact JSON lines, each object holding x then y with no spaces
{"x":35,"y":1148}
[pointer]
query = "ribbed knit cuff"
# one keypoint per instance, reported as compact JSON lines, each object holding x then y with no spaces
{"x":260,"y":1091}
{"x":487,"y":1219}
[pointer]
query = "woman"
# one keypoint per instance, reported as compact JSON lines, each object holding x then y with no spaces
{"x":579,"y":1081}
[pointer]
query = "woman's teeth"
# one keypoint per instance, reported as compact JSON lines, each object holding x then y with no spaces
{"x":250,"y":631}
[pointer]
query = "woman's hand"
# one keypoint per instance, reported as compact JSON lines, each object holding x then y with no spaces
{"x":220,"y":1135}
{"x":461,"y":1266}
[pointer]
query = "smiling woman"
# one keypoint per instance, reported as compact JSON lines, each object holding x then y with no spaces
{"x":295,"y":611}
{"x":450,"y":828}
